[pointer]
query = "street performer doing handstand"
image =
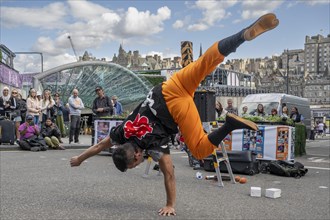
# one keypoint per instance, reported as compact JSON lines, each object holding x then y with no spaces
{"x":170,"y":105}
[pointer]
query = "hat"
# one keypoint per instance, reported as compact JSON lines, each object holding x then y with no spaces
{"x":29,"y":117}
{"x":98,"y":88}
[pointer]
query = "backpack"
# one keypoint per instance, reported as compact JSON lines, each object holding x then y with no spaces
{"x":284,"y":168}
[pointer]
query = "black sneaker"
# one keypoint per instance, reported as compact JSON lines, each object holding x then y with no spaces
{"x":237,"y":122}
{"x":264,"y":23}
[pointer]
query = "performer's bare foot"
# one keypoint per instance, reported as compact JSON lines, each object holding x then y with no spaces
{"x":264,"y":23}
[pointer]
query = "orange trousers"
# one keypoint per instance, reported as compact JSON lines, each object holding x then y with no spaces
{"x":178,"y":92}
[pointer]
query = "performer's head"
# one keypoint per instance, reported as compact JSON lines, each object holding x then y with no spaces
{"x":127,"y":156}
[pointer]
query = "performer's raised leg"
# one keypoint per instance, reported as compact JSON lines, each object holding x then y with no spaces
{"x":178,"y":91}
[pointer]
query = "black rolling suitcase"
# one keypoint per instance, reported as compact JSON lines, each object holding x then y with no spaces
{"x":7,"y":132}
{"x":241,"y":162}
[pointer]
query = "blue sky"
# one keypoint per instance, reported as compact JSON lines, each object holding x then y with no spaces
{"x":152,"y":27}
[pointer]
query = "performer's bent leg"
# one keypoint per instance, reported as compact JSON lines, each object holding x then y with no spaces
{"x":179,"y":89}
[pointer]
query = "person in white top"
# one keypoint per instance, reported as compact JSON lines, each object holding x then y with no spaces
{"x":33,"y":106}
{"x":46,"y":104}
{"x":320,"y":128}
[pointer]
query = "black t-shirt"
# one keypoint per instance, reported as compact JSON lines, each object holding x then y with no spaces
{"x":148,"y":126}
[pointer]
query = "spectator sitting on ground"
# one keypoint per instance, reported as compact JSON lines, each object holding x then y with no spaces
{"x":52,"y":135}
{"x":29,"y":132}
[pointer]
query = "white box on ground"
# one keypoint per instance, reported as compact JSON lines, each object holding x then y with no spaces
{"x":273,"y":193}
{"x":255,"y":191}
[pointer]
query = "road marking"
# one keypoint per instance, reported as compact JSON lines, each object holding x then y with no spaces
{"x":317,"y":168}
{"x":178,"y":152}
{"x":318,"y":160}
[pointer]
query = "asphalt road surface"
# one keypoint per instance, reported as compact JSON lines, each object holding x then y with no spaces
{"x":42,"y":185}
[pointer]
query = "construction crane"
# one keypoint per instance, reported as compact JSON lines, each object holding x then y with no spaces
{"x":74,"y":51}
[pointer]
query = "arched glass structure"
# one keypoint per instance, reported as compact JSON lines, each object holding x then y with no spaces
{"x":86,"y":75}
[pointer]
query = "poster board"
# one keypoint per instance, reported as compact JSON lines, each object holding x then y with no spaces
{"x":102,"y":128}
{"x":270,"y":142}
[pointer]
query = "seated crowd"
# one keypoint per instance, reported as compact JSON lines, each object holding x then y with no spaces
{"x":38,"y":120}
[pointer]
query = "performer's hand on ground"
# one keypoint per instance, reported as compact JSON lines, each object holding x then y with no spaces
{"x":75,"y":161}
{"x":167,"y":211}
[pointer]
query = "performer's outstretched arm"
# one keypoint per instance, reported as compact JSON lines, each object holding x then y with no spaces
{"x":93,"y":150}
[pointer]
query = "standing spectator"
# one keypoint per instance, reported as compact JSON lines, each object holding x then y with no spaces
{"x":5,"y":107}
{"x":52,"y":135}
{"x":33,"y":106}
{"x":102,"y":105}
{"x":29,"y":136}
{"x":66,"y":118}
{"x":295,"y":116}
{"x":75,"y":105}
{"x":320,"y":129}
{"x":230,"y":108}
{"x":2,"y":107}
{"x":59,"y":120}
{"x":39,"y":96}
{"x":22,"y":106}
{"x":274,"y":112}
{"x":117,"y":106}
{"x":47,"y":105}
{"x":219,"y":110}
{"x":260,"y":111}
{"x":285,"y":112}
{"x":245,"y":111}
{"x":16,"y":113}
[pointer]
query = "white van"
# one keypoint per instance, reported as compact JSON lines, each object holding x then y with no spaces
{"x":277,"y":100}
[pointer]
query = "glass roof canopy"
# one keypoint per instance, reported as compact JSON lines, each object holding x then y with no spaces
{"x":130,"y":88}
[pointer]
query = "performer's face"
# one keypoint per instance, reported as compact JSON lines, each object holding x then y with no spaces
{"x":136,"y":160}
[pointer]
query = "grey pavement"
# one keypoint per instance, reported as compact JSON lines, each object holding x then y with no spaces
{"x":85,"y":142}
{"x":42,"y":185}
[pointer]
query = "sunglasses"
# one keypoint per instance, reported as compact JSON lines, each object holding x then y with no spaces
{"x":14,"y":93}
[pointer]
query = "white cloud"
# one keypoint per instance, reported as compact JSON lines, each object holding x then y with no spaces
{"x":48,"y":17}
{"x":317,"y":2}
{"x":136,"y":23}
{"x":48,"y":46}
{"x":25,"y":63}
{"x":86,"y":10}
{"x":213,"y":12}
{"x":255,"y":8}
{"x":197,"y":27}
{"x":178,"y":24}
